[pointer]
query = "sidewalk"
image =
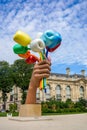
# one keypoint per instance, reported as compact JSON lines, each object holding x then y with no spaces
{"x":59,"y":122}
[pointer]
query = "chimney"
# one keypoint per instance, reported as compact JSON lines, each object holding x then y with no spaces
{"x":83,"y":72}
{"x":68,"y":71}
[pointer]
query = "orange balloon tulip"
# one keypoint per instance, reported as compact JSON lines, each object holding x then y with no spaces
{"x":26,"y":55}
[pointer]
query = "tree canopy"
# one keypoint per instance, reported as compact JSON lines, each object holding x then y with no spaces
{"x":6,"y":80}
{"x":22,"y":73}
{"x":19,"y":74}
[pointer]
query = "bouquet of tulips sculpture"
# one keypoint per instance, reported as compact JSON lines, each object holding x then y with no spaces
{"x":46,"y":42}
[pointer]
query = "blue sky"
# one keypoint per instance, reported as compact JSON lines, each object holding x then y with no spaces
{"x":68,"y":17}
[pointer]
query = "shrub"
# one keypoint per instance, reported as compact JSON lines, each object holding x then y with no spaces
{"x":12,"y":107}
{"x":54,"y":106}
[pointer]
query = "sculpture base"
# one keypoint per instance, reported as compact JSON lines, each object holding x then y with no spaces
{"x":30,"y":110}
{"x":25,"y":119}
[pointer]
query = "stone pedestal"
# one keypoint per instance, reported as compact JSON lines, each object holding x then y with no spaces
{"x":30,"y":110}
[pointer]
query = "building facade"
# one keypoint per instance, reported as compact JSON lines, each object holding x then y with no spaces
{"x":59,"y":86}
{"x":65,"y":86}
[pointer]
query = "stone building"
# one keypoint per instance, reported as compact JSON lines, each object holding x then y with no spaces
{"x":65,"y":86}
{"x":59,"y":86}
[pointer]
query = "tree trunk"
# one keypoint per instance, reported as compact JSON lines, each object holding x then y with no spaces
{"x":4,"y":98}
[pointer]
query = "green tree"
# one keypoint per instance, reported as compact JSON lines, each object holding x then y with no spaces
{"x":21,"y":75}
{"x":6,"y":81}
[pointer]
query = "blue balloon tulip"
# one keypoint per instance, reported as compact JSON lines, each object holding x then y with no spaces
{"x":52,"y":39}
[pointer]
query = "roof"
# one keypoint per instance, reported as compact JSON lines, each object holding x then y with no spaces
{"x":68,"y":76}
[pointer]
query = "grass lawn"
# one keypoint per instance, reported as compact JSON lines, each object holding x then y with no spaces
{"x":48,"y":114}
{"x":4,"y":114}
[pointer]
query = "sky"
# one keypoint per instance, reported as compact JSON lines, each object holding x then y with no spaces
{"x":68,"y":17}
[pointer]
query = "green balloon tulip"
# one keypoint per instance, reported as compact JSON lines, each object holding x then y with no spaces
{"x":18,"y":49}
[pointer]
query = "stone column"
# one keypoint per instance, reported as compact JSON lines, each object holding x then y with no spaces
{"x":63,"y":92}
{"x":76,"y":93}
{"x":85,"y":92}
{"x":73,"y":93}
{"x":42,"y":95}
{"x":53,"y":91}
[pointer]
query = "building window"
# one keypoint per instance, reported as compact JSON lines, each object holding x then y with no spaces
{"x":58,"y":92}
{"x":13,"y":95}
{"x":38,"y":94}
{"x":81,"y":92}
{"x":48,"y":94}
{"x":68,"y":92}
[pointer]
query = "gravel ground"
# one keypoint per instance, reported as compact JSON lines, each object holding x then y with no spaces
{"x":59,"y":122}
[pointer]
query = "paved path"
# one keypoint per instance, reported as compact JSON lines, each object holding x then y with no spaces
{"x":60,"y":122}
